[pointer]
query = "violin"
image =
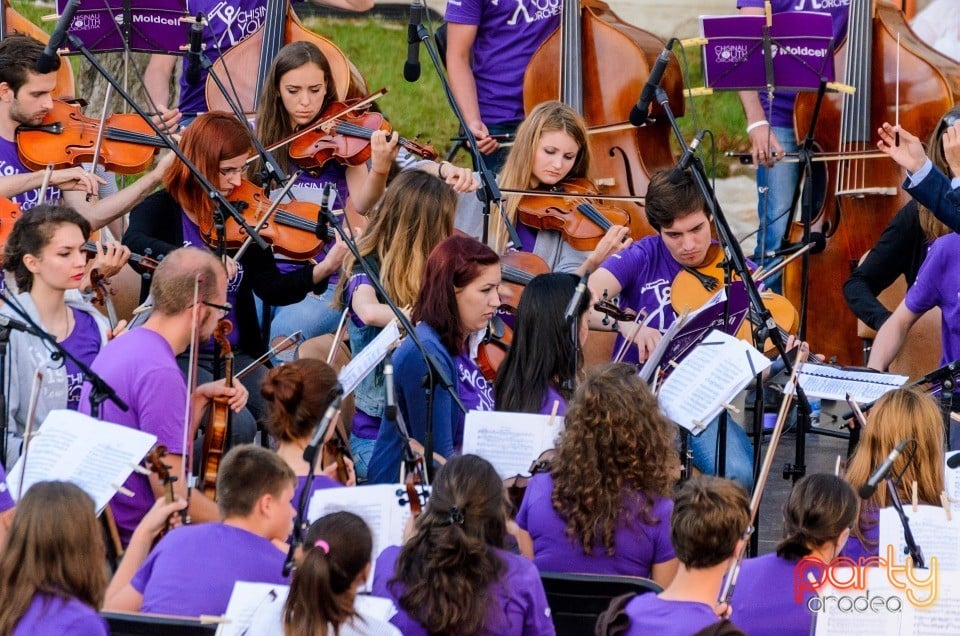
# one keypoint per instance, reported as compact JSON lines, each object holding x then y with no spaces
{"x":345,"y":139}
{"x":612,"y":310}
{"x":693,"y":287}
{"x":218,"y":426}
{"x":162,"y":470}
{"x":68,"y":138}
{"x":494,"y":347}
{"x":581,"y":222}
{"x":337,"y":450}
{"x":517,"y":269}
{"x":291,"y":230}
{"x":517,"y":485}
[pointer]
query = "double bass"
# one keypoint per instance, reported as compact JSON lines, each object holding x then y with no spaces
{"x":257,"y":52}
{"x":597,"y":64}
{"x":862,"y":194}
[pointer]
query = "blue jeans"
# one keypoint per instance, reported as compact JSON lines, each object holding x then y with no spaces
{"x":361,"y":449}
{"x":739,"y":465}
{"x":313,"y":316}
{"x":775,"y":188}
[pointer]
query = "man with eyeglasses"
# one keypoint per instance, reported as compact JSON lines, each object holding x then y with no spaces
{"x":141,"y":366}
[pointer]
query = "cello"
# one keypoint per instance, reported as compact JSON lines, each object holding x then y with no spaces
{"x":863,"y":194}
{"x":12,"y":22}
{"x":257,"y":52}
{"x":597,"y":64}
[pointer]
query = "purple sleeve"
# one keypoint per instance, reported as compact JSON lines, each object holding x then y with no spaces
{"x":142,"y":577}
{"x":662,"y":546}
{"x":534,"y":486}
{"x":164,"y":417}
{"x":625,"y":265}
{"x":464,"y":12}
{"x":924,"y":294}
{"x":6,"y":501}
{"x":386,"y":565}
{"x":537,"y":620}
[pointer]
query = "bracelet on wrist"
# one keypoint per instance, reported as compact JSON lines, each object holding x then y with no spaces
{"x":440,"y":170}
{"x":757,"y":124}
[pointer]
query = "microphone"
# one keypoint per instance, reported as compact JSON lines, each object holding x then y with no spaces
{"x":411,"y":69}
{"x":954,"y":461}
{"x":640,"y":112}
{"x":49,"y":60}
{"x":11,"y":323}
{"x":391,"y":409}
{"x":676,"y":176}
{"x":866,"y":491}
{"x":194,"y":64}
{"x":327,"y":196}
{"x":571,"y":313}
{"x":310,"y":452}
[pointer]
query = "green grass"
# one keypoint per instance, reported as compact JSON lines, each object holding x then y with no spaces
{"x":375,"y":46}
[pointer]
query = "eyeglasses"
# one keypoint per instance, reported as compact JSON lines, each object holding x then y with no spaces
{"x":229,"y":172}
{"x":224,"y":308}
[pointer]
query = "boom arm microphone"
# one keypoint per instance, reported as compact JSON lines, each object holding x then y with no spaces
{"x":49,"y":60}
{"x":411,"y":69}
{"x":640,"y":112}
{"x":194,"y":64}
{"x":866,"y":491}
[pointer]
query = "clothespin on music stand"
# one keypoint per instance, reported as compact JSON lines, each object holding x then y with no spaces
{"x":126,"y":492}
{"x":138,"y":468}
{"x":945,"y":502}
{"x":553,"y":412}
{"x":699,"y":426}
{"x":733,"y":410}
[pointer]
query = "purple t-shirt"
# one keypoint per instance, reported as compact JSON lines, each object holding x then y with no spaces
{"x":782,"y":114}
{"x":763,"y":601}
{"x":193,"y":568}
{"x":10,"y":164}
{"x":508,"y":34}
{"x":856,"y":549}
{"x":193,"y":237}
{"x":320,"y":482}
{"x":645,"y":271}
{"x":50,"y":615}
{"x":6,"y":500}
{"x":549,"y":397}
{"x":638,"y":546}
{"x":938,"y":285}
{"x":474,"y":389}
{"x":84,"y":343}
{"x":650,"y":614}
{"x":142,"y":369}
{"x":518,"y":602}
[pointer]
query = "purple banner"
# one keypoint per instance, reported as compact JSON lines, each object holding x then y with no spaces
{"x":802,"y":48}
{"x":152,"y":26}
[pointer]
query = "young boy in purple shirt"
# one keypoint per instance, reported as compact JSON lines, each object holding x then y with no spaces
{"x":192,"y":570}
{"x":710,"y":516}
{"x":642,"y":276}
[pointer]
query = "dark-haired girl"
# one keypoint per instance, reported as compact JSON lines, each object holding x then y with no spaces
{"x":542,"y":363}
{"x":297,"y":394}
{"x":605,"y":505}
{"x":817,"y":518}
{"x":458,"y":298}
{"x":45,"y":257}
{"x":452,"y":576}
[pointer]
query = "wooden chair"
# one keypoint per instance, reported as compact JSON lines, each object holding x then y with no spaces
{"x":576,"y":600}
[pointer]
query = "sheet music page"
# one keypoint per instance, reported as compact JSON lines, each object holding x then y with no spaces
{"x":952,"y":481}
{"x":653,"y":362}
{"x":378,"y":504}
{"x":364,"y":362}
{"x":936,"y":536}
{"x":254,"y":608}
{"x":831,"y":383}
{"x":711,"y":375}
{"x":69,"y":446}
{"x":509,"y":441}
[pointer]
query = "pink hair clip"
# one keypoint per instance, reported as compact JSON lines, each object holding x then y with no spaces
{"x":323,"y":545}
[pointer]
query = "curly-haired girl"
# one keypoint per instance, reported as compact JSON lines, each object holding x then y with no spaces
{"x":451,"y":576}
{"x":604,"y":507}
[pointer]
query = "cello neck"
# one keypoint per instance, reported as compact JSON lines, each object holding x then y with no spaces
{"x":571,"y":58}
{"x":273,"y":38}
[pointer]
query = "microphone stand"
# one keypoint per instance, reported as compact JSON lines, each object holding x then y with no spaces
{"x":767,"y":327}
{"x":224,"y":207}
{"x":4,"y":403}
{"x":916,"y":554}
{"x":435,"y":373}
{"x":489,"y":192}
{"x":100,"y":391}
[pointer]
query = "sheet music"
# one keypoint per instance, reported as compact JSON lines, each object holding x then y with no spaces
{"x":364,"y":362}
{"x":378,"y":505}
{"x":952,"y":481}
{"x":509,"y":441}
{"x":653,"y":362}
{"x":254,"y":608}
{"x":710,"y":376}
{"x":96,"y":456}
{"x":832,"y":383}
{"x":936,"y":536}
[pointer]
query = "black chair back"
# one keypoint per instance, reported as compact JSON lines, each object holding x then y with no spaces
{"x":576,"y":600}
{"x":130,"y":624}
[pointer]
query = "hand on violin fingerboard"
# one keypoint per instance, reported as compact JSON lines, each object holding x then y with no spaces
{"x":646,"y":338}
{"x":237,"y":395}
{"x":110,"y":259}
{"x":331,"y":472}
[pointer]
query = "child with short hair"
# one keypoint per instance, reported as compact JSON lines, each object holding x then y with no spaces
{"x":192,"y":570}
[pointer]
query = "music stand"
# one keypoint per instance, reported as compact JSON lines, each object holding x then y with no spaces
{"x":150,"y":26}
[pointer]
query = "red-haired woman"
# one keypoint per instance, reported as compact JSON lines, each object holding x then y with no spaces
{"x":459,"y":296}
{"x":219,"y":145}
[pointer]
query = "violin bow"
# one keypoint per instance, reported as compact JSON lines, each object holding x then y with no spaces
{"x":338,"y":335}
{"x":28,"y":432}
{"x":789,"y":392}
{"x":275,"y":203}
{"x":47,"y":174}
{"x":187,"y":469}
{"x":103,"y":124}
{"x":572,"y":195}
{"x":283,"y":345}
{"x":363,"y":103}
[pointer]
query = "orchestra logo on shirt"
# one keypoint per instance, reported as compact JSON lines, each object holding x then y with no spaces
{"x":534,"y":10}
